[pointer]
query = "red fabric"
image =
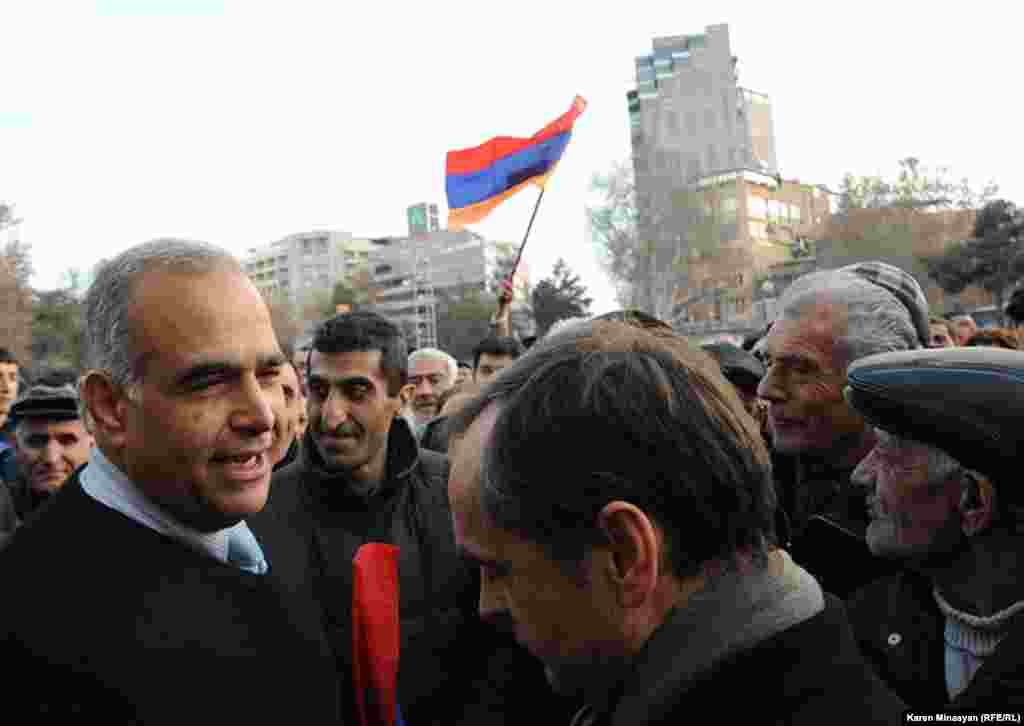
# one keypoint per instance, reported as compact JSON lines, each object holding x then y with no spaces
{"x":375,"y":633}
{"x":478,"y":158}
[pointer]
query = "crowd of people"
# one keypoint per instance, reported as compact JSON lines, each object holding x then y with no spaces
{"x":607,"y":526}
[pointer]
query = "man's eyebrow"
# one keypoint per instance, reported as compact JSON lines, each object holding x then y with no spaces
{"x":792,"y":359}
{"x":344,"y":382}
{"x":205,"y":368}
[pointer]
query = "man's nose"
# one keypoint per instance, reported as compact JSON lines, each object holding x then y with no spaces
{"x":335,"y":410}
{"x":770,"y":389}
{"x":255,"y":410}
{"x":424,"y":388}
{"x":52,"y":453}
{"x":865,"y":473}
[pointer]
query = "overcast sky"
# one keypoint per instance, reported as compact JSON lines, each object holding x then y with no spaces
{"x":242,"y":121}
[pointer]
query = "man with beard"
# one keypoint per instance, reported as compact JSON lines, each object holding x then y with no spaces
{"x":827,"y":321}
{"x":618,"y":502}
{"x":52,"y":441}
{"x":361,"y":480}
{"x":947,"y":633}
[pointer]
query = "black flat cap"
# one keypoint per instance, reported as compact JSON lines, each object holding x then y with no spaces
{"x":50,"y":402}
{"x":969,"y":402}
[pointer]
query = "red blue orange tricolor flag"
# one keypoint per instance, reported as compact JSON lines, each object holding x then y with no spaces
{"x":479,"y":179}
{"x":376,"y":634}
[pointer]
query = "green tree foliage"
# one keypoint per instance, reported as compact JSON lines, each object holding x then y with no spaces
{"x":992,"y":259}
{"x":15,"y":293}
{"x":353,"y":290}
{"x":558,"y":297}
{"x":645,"y":239}
{"x":915,"y":187}
{"x":343,"y":294}
{"x":463,"y":320}
{"x":58,"y":329}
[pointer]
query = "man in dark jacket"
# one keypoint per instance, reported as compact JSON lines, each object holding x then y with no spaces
{"x":51,"y":440}
{"x":140,"y":595}
{"x":948,"y":633}
{"x":826,"y":321}
{"x":361,"y":479}
{"x":619,"y":505}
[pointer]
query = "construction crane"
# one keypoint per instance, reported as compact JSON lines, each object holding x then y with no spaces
{"x":423,"y":293}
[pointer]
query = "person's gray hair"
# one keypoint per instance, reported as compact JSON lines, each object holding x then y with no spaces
{"x":108,"y":301}
{"x":563,"y":323}
{"x":451,"y":364}
{"x":877,"y":322}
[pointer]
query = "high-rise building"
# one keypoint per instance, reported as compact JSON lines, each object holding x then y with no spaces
{"x":301,"y":265}
{"x":408,"y":273}
{"x":689,"y":117}
{"x":710,"y":198}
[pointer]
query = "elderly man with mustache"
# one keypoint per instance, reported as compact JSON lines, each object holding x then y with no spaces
{"x":945,"y":498}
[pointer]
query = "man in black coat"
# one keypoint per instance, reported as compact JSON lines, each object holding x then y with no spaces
{"x":618,"y":502}
{"x":138,"y":594}
{"x":944,"y":484}
{"x":827,"y":320}
{"x":361,"y":479}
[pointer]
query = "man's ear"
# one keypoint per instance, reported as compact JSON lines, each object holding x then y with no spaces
{"x":977,"y":504}
{"x":107,"y":405}
{"x":635,"y":552}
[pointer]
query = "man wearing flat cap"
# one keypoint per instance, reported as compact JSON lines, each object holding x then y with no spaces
{"x":51,"y":441}
{"x":943,"y":479}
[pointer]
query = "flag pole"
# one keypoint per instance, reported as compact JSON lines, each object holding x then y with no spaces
{"x":519,"y":255}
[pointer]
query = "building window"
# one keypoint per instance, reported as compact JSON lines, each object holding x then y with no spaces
{"x":693,"y":167}
{"x":794,"y":214}
{"x":672,"y":123}
{"x":691,"y":123}
{"x":712,"y":156}
{"x":709,"y":119}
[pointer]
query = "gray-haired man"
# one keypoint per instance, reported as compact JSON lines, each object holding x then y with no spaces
{"x":829,"y":320}
{"x":141,"y":595}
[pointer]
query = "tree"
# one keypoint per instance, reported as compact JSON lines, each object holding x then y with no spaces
{"x":558,"y":297}
{"x":521,"y":312}
{"x":353,"y":290}
{"x":915,"y":187}
{"x":648,"y":237}
{"x":463,"y":320}
{"x":15,"y":293}
{"x":7,"y":218}
{"x":993,"y":258}
{"x":58,"y":329}
{"x":287,"y":326}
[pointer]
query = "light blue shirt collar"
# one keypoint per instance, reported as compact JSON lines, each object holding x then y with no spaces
{"x":108,"y":485}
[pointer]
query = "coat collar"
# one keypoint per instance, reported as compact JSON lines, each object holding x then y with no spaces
{"x":402,"y":458}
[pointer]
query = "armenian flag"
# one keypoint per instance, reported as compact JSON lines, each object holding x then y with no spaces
{"x":479,"y":179}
